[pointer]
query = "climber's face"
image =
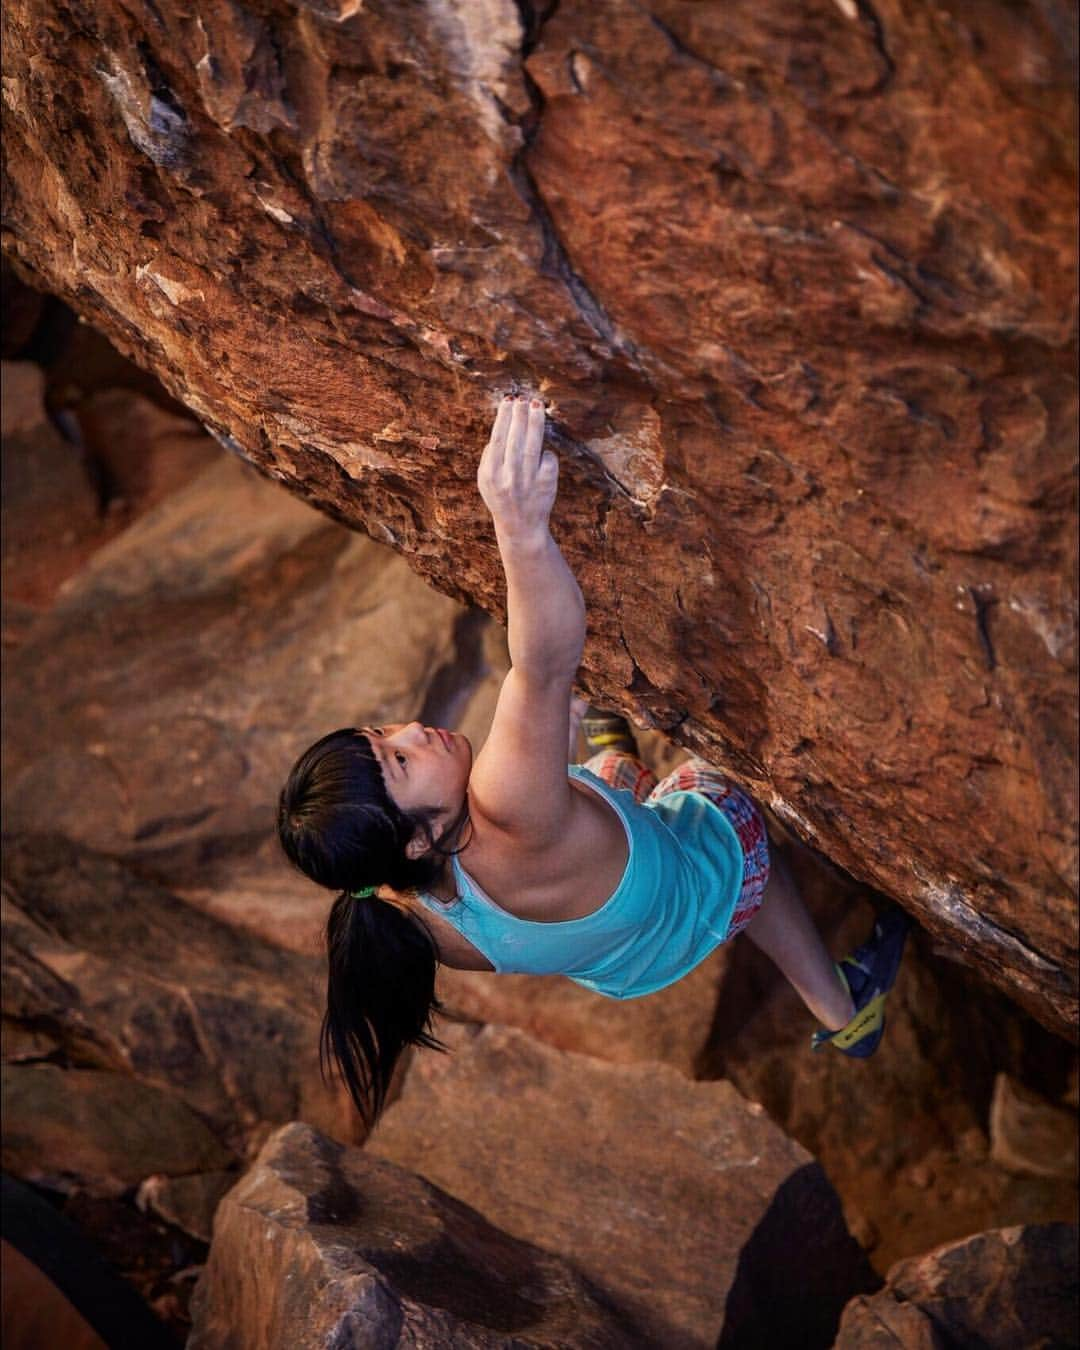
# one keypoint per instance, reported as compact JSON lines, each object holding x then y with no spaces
{"x":424,"y":768}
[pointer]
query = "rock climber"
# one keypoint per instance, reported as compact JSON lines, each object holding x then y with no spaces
{"x":517,"y":862}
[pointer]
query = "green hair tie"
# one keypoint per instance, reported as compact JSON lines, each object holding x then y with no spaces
{"x":363,"y":895}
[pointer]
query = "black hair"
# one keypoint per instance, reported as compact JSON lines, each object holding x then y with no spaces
{"x":338,"y":824}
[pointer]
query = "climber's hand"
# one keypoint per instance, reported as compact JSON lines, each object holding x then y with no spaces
{"x":517,"y":477}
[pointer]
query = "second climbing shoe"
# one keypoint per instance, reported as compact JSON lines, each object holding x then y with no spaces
{"x":869,"y":973}
{"x":607,"y":731}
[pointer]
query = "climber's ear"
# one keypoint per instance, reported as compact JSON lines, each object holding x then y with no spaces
{"x":424,"y":839}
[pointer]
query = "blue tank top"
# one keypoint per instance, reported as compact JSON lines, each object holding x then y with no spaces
{"x":670,"y":910}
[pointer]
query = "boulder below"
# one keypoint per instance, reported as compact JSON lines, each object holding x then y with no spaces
{"x":99,"y":1131}
{"x":219,"y":635}
{"x":680,"y":1199}
{"x":321,"y":1247}
{"x":998,"y":1290}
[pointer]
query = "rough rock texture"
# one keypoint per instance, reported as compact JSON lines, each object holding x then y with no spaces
{"x":112,"y":976}
{"x":321,"y":1247}
{"x":799,"y":290}
{"x":99,"y":1131}
{"x":998,"y":1290}
{"x":681,"y":1199}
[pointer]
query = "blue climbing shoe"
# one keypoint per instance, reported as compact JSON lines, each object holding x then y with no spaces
{"x":869,"y":973}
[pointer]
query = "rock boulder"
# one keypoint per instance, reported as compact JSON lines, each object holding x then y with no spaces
{"x":681,"y":1199}
{"x":998,"y":1290}
{"x":320,"y":1247}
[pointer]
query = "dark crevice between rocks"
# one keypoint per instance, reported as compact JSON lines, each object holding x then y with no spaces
{"x":870,"y":17}
{"x":780,"y":1299}
{"x":582,"y":452}
{"x":720,"y":81}
{"x":288,"y":163}
{"x":983,"y":604}
{"x":83,"y":1247}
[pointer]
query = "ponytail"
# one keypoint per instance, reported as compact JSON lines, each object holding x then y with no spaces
{"x":380,"y":995}
{"x":338,"y":824}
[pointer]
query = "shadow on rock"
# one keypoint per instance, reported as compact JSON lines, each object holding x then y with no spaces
{"x":785,"y":1292}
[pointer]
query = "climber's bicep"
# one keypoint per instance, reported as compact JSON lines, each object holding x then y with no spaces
{"x":519,"y":781}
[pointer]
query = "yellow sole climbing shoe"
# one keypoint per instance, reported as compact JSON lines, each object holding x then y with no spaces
{"x":606,"y":731}
{"x":869,"y":973}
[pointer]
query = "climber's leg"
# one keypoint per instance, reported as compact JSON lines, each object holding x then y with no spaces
{"x":785,"y":932}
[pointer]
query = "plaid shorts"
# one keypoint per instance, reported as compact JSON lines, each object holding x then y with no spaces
{"x":621,"y":770}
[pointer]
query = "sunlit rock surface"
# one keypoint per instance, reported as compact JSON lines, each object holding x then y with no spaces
{"x":799,"y":291}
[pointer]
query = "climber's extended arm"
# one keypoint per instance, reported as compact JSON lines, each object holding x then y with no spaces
{"x":519,"y":779}
{"x":545,"y":611}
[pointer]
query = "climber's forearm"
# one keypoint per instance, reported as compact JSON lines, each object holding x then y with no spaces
{"x":544,"y":606}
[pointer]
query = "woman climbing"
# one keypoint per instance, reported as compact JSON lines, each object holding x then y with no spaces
{"x":521,"y":863}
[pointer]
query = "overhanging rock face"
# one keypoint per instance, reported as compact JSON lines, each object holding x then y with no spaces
{"x":798,"y":285}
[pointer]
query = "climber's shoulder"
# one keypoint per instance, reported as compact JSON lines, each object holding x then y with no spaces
{"x":519,"y":784}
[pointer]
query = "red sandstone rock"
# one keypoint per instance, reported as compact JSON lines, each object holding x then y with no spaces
{"x":320,"y":1247}
{"x":799,"y":291}
{"x":98,"y":1131}
{"x":671,"y":1026}
{"x":49,"y":517}
{"x":1031,"y":1136}
{"x":128,"y":981}
{"x":681,"y":1199}
{"x":1001,"y":1289}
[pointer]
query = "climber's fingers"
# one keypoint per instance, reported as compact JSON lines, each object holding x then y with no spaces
{"x":525,"y":439}
{"x":517,"y":478}
{"x":494,"y":452}
{"x":516,"y":443}
{"x":533,"y":442}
